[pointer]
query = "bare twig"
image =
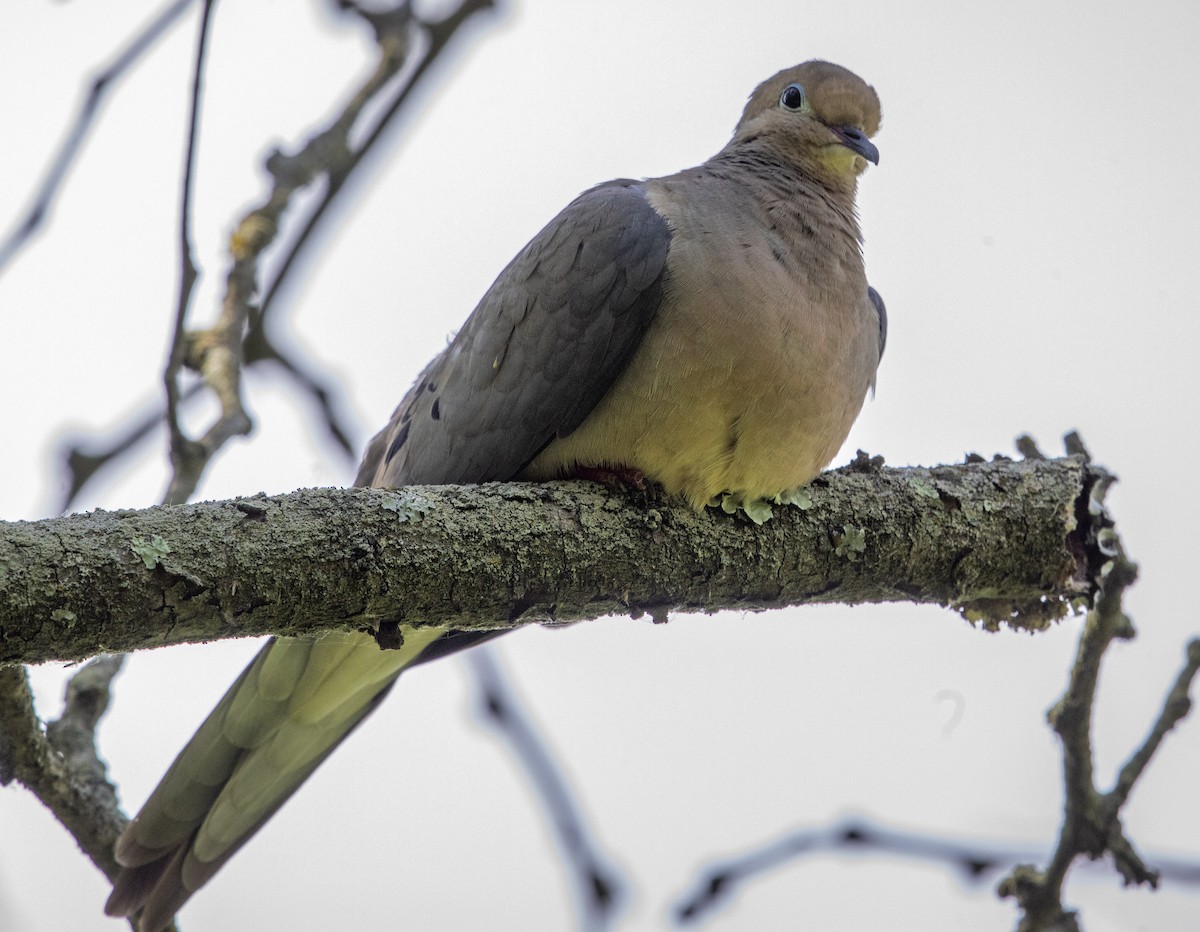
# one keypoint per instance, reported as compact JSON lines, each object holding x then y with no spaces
{"x":74,"y":734}
{"x":100,"y":85}
{"x":599,"y":888}
{"x":1176,"y":706}
{"x":259,"y":348}
{"x":388,"y":26}
{"x":61,"y":766}
{"x":1091,"y":820}
{"x":84,"y":458}
{"x":215,"y":353}
{"x":218,"y":352}
{"x":974,"y":862}
{"x":439,"y":33}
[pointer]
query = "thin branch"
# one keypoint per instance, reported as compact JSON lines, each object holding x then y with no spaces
{"x":258,"y":348}
{"x":218,"y":352}
{"x":101,"y":84}
{"x":84,"y":458}
{"x":61,"y":766}
{"x":215,"y":352}
{"x":440,"y":33}
{"x":504,"y":554}
{"x":1176,"y":706}
{"x":1091,"y":824}
{"x":73,"y":735}
{"x":599,"y":887}
{"x":973,"y":862}
{"x":219,"y":349}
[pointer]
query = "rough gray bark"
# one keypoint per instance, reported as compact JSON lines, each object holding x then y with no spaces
{"x":61,"y":764}
{"x":1000,"y":540}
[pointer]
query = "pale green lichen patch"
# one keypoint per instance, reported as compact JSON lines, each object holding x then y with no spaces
{"x":66,"y":616}
{"x":408,"y":506}
{"x":923,"y":488}
{"x":151,"y":553}
{"x":851,"y":542}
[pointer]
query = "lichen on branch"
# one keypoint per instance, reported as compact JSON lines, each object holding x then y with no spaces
{"x":1001,"y":541}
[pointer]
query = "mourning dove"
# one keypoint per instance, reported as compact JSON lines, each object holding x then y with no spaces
{"x":712,"y":331}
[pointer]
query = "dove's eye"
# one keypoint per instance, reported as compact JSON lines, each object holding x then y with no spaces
{"x":793,"y":97}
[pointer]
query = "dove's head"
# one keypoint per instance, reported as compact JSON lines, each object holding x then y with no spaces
{"x":818,"y":115}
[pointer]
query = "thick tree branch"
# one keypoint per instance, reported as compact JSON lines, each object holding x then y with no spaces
{"x":1003,"y":541}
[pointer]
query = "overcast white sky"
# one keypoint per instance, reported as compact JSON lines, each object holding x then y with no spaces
{"x":1033,"y":225}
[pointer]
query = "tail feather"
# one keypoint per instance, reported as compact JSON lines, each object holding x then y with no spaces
{"x":295,"y":702}
{"x":261,"y":701}
{"x":282,"y":668}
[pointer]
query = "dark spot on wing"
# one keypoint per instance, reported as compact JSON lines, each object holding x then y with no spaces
{"x":544,"y":344}
{"x":397,"y":441}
